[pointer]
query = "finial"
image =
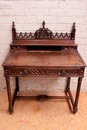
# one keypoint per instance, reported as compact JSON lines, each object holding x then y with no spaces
{"x":43,"y":23}
{"x":73,"y":25}
{"x":73,"y":32}
{"x":13,"y":24}
{"x":13,"y":30}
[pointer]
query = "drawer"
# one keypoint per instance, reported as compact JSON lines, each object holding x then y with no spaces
{"x":27,"y":71}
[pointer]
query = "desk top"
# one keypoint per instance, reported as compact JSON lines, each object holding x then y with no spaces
{"x":44,"y":59}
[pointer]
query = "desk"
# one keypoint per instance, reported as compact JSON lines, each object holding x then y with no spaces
{"x":43,"y":57}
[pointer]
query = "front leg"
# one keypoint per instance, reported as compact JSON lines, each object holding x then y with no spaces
{"x":16,"y":90}
{"x":75,"y":107}
{"x":9,"y":95}
{"x":17,"y":83}
{"x":68,"y":85}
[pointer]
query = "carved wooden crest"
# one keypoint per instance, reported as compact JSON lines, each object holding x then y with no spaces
{"x":43,"y":33}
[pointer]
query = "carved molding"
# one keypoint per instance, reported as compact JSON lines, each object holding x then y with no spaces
{"x":22,"y":47}
{"x":69,"y":50}
{"x":18,"y":47}
{"x":56,"y":72}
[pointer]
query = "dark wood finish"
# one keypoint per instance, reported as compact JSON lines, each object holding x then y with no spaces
{"x":9,"y":95}
{"x":16,"y":90}
{"x":75,"y":107}
{"x":44,"y":53}
{"x":43,"y":33}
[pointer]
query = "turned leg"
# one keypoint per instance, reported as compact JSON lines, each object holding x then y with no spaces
{"x":75,"y":107}
{"x":9,"y":95}
{"x":68,"y":85}
{"x":17,"y":84}
{"x":68,"y":92}
{"x":16,"y":90}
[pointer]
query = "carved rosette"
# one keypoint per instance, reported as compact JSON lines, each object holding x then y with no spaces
{"x":55,"y":72}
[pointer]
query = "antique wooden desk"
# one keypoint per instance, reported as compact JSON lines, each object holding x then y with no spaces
{"x":44,"y":53}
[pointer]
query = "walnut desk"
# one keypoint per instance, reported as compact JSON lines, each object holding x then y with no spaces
{"x":44,"y":53}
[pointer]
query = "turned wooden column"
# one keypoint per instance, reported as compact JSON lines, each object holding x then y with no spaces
{"x":16,"y":90}
{"x":17,"y":84}
{"x":68,"y":85}
{"x":75,"y":107}
{"x":9,"y":95}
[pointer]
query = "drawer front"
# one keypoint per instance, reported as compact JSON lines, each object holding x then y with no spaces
{"x":26,"y":71}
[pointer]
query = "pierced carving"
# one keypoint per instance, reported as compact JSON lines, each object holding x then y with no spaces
{"x":43,"y":33}
{"x":56,"y":72}
{"x":25,"y":35}
{"x":61,"y":35}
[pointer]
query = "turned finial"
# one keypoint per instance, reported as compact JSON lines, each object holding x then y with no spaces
{"x":43,"y":23}
{"x":73,"y":32}
{"x":13,"y":25}
{"x":13,"y":30}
